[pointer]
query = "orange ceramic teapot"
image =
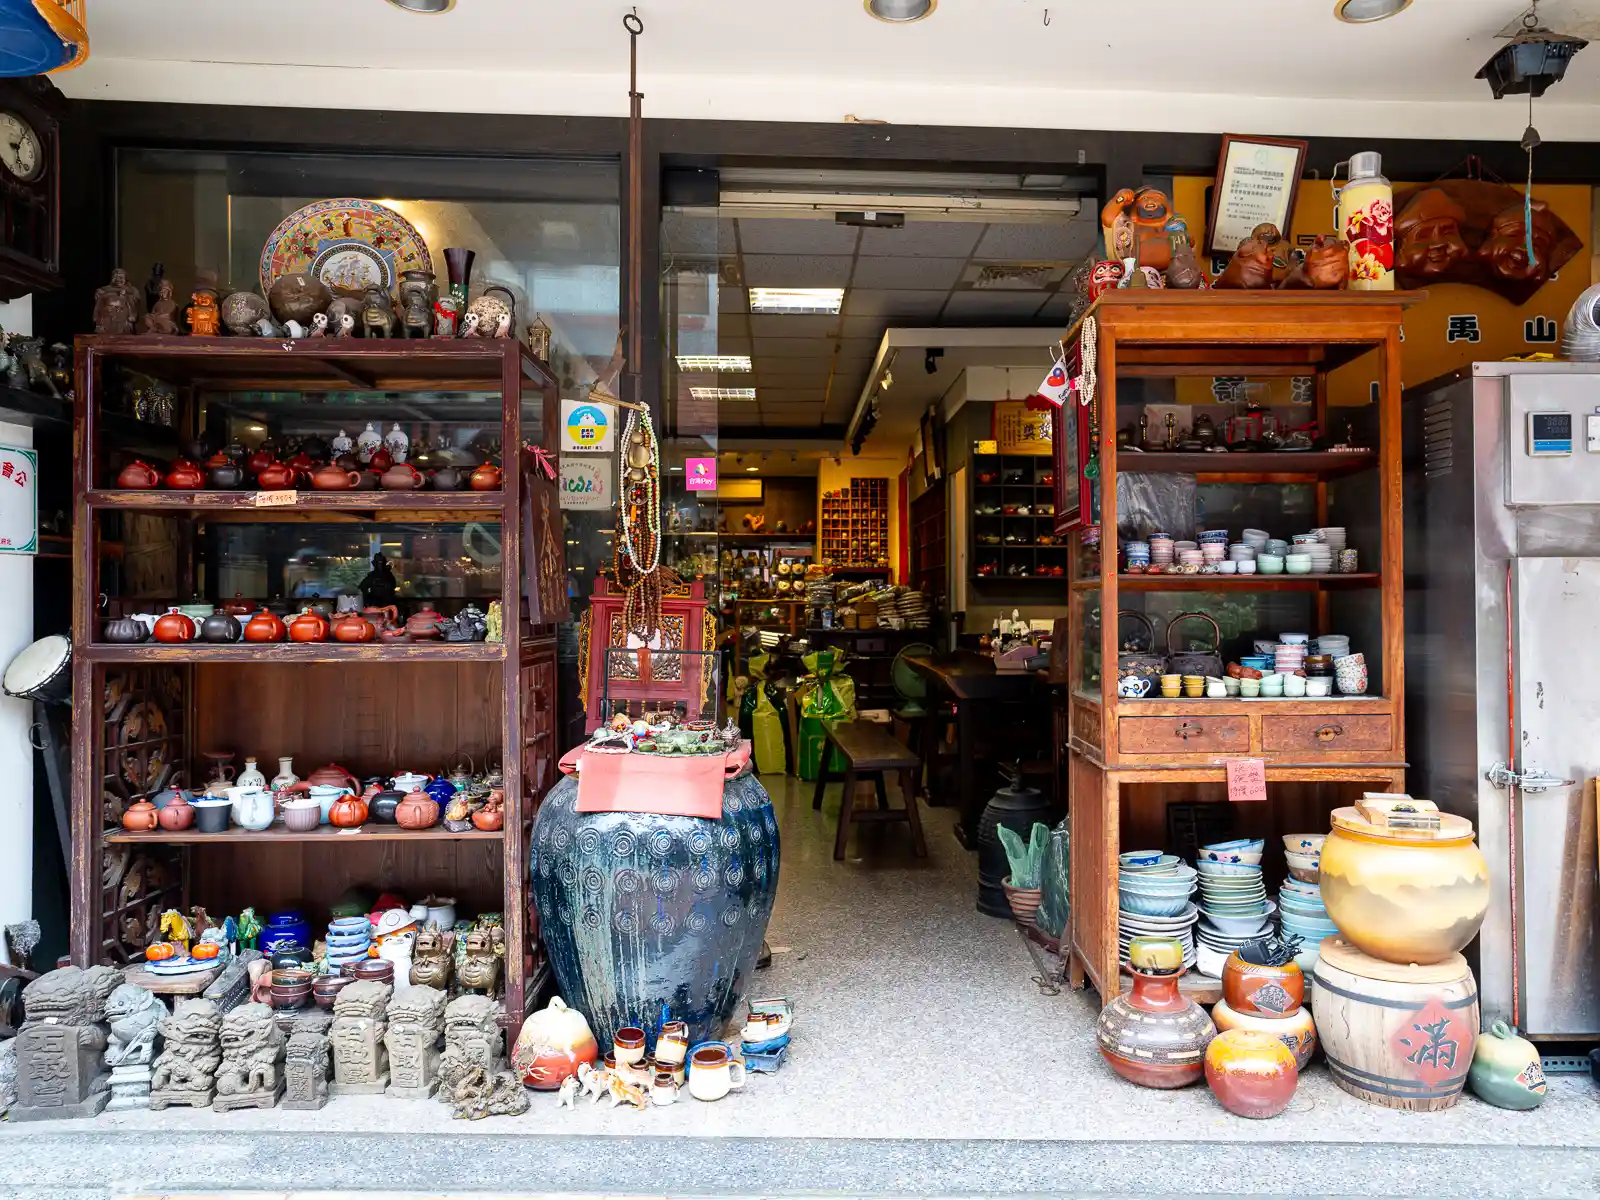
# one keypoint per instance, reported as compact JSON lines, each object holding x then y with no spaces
{"x":353,"y":627}
{"x":177,"y":813}
{"x":140,"y":817}
{"x":184,"y":474}
{"x":486,"y":478}
{"x":333,"y":479}
{"x":347,"y":812}
{"x":309,"y":626}
{"x":138,"y":474}
{"x":265,"y":626}
{"x":275,"y":477}
{"x":417,"y":810}
{"x":173,"y":626}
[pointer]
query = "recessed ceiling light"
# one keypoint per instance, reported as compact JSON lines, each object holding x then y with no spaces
{"x":819,"y":301}
{"x":752,"y":468}
{"x":713,"y":362}
{"x":426,"y":7}
{"x":715,"y":393}
{"x":901,"y":12}
{"x":1362,"y":12}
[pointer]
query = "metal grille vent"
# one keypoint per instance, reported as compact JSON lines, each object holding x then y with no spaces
{"x":1438,"y":439}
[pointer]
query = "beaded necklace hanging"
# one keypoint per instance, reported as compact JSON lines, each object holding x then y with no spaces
{"x":637,"y":554}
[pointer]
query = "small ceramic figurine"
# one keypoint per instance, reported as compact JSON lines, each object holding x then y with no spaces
{"x":469,"y":325}
{"x":162,"y":319}
{"x":1184,"y":272}
{"x":418,"y":292}
{"x":117,"y":305}
{"x":203,"y":317}
{"x":319,"y":325}
{"x":377,"y":314}
{"x":445,"y":317}
{"x":496,"y":310}
{"x":1328,"y":264}
{"x":241,"y":311}
{"x":1251,"y":268}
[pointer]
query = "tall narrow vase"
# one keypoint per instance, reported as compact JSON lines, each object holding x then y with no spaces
{"x":458,"y":263}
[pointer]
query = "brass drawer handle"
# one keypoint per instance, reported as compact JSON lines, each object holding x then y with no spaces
{"x":1188,"y":730}
{"x":1327,"y":733}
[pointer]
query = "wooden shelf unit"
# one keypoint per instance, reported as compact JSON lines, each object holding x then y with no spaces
{"x":854,"y":533}
{"x":147,"y":713}
{"x":1129,"y":761}
{"x":1020,"y":480}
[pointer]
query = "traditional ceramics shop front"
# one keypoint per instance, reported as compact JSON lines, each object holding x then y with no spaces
{"x":552,"y":652}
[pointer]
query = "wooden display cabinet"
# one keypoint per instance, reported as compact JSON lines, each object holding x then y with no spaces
{"x":147,"y":713}
{"x":1010,"y":546}
{"x":1130,"y":760}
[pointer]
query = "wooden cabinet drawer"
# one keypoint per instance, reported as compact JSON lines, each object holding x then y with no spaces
{"x":1199,"y":734}
{"x":1326,"y":734}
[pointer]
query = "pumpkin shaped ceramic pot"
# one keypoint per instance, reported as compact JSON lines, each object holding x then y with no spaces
{"x":1251,"y":1074}
{"x":265,"y":626}
{"x":553,"y":1044}
{"x":140,"y":817}
{"x":347,"y":812}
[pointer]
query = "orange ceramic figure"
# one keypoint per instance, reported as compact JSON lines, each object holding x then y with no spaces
{"x":1251,"y":268}
{"x":204,"y":317}
{"x":1136,"y":225}
{"x":491,"y":817}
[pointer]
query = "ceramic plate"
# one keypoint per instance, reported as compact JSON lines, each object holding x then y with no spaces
{"x":348,"y":244}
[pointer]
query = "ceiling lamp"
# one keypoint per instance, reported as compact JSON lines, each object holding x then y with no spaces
{"x":713,"y":362}
{"x":424,"y":7}
{"x":1362,"y":12}
{"x":901,"y":12}
{"x":812,"y":301}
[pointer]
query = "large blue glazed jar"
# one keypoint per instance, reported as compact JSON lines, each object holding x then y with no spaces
{"x":652,"y":918}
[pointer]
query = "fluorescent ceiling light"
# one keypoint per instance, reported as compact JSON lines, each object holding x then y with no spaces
{"x":901,"y":12}
{"x":713,"y":362}
{"x":1361,"y":12}
{"x":752,"y":468}
{"x":716,"y":393}
{"x":821,"y":301}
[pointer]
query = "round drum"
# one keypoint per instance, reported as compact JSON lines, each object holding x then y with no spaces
{"x":1398,"y":1035}
{"x":42,"y":671}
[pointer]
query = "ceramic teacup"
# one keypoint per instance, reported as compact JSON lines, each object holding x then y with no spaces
{"x":1250,"y":688}
{"x":1294,"y":685}
{"x":1269,"y":564}
{"x":1231,"y":686}
{"x":628,"y":1046}
{"x":1216,"y":689}
{"x":713,"y":1073}
{"x":1319,"y":687}
{"x":664,"y":1088}
{"x":1227,"y":568}
{"x":1272,"y":685}
{"x":1194,"y":685}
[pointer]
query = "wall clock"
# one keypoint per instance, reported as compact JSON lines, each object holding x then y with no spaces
{"x":30,"y":189}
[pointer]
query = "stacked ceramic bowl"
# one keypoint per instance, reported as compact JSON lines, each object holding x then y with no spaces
{"x":1213,"y":546}
{"x":1350,"y":673}
{"x":1333,"y":536}
{"x":1154,"y":891}
{"x":1289,"y":654}
{"x":1234,"y":908}
{"x":1136,"y":556}
{"x":1161,"y":550}
{"x":1320,"y":552}
{"x":349,"y":940}
{"x":1333,"y":645}
{"x":1301,"y":912}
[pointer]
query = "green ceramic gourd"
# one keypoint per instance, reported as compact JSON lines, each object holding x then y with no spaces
{"x":1506,"y":1071}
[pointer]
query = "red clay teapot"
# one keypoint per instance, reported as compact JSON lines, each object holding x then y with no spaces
{"x":424,"y":625}
{"x":173,"y":626}
{"x":334,"y":479}
{"x":140,"y":817}
{"x":185,"y":475}
{"x":275,"y":477}
{"x":333,"y":775}
{"x":417,"y":810}
{"x":402,"y":477}
{"x":353,"y":627}
{"x":309,"y":626}
{"x":138,"y":474}
{"x":486,"y":478}
{"x":492,"y":816}
{"x":177,"y":814}
{"x":348,"y":811}
{"x":265,"y":626}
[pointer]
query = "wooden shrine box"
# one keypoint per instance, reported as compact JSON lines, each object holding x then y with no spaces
{"x":146,"y":714}
{"x":648,"y":676}
{"x":1130,"y":759}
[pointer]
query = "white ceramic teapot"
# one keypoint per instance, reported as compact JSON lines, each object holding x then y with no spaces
{"x":252,"y":807}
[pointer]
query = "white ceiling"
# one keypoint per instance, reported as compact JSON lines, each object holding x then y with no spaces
{"x":1257,"y":66}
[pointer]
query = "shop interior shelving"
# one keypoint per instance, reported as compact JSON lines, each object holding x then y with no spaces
{"x":854,"y":531}
{"x":375,"y":708}
{"x":1139,"y":768}
{"x":1002,"y":544}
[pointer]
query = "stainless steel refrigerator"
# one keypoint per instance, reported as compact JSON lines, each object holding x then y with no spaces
{"x":1502,"y":519}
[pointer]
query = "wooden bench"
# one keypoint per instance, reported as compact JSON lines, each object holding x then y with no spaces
{"x":869,"y":751}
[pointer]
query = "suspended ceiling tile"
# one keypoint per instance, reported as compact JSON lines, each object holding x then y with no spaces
{"x":733,"y":325}
{"x":916,"y":273}
{"x":866,"y":328}
{"x":992,"y":305}
{"x":797,"y":270}
{"x":812,"y":380}
{"x":1057,"y":308}
{"x":934,"y":239}
{"x":792,"y":325}
{"x":1039,"y":243}
{"x":893,"y":304}
{"x":791,"y":395}
{"x":777,"y":235}
{"x":732,"y":300}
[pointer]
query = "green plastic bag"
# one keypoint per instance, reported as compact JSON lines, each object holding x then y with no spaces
{"x":827,"y":693}
{"x":767,"y":731}
{"x":1055,"y":884}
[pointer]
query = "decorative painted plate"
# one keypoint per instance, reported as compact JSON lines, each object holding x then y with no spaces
{"x":348,"y":244}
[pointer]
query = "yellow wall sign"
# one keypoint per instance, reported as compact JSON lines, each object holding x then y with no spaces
{"x":1021,"y":430}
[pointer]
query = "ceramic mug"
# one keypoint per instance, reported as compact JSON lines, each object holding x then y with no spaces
{"x":672,"y":1044}
{"x":628,"y":1046}
{"x":664,"y":1088}
{"x":713,"y":1073}
{"x":1216,"y":689}
{"x":1133,"y":687}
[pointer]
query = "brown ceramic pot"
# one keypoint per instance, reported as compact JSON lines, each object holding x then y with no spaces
{"x":138,"y":474}
{"x":424,"y":625}
{"x":353,"y":627}
{"x":402,"y":477}
{"x":1297,"y":1031}
{"x":173,"y":626}
{"x":486,"y":478}
{"x":326,"y":988}
{"x":1262,"y":991}
{"x":265,"y":626}
{"x":177,"y":814}
{"x":1154,"y":1035}
{"x":380,"y":970}
{"x":275,"y":477}
{"x":1251,"y":1074}
{"x":237,"y":607}
{"x":141,"y":817}
{"x":185,"y":475}
{"x":309,"y":626}
{"x":492,"y":816}
{"x":333,"y":479}
{"x":417,"y":810}
{"x":348,"y":812}
{"x":383,"y":617}
{"x":333,"y":775}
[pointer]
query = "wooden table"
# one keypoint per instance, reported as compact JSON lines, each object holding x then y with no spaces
{"x":968,"y":678}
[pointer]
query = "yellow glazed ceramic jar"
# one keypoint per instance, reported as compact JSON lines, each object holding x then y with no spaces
{"x":1404,"y":896}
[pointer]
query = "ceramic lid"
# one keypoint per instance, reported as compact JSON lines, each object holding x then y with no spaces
{"x":1338,"y":953}
{"x":1451,"y":828}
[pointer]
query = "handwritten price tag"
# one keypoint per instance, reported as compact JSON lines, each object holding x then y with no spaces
{"x":1247,"y":780}
{"x":282,"y":499}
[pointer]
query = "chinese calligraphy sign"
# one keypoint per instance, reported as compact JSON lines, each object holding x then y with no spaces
{"x":19,"y":501}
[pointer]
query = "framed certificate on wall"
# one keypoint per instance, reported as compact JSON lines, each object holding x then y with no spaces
{"x":1257,"y":179}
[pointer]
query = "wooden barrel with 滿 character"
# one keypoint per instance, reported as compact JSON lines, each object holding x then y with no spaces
{"x":1395,"y":1034}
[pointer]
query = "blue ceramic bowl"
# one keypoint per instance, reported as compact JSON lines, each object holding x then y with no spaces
{"x":1157,"y":885}
{"x":1237,"y":869}
{"x":1139,"y":858}
{"x":1153,"y":906}
{"x":1237,"y":844}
